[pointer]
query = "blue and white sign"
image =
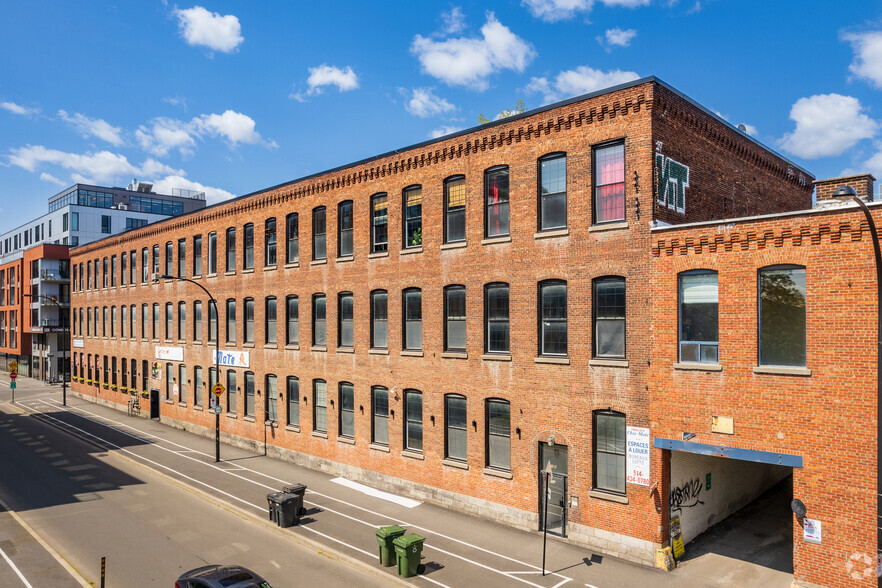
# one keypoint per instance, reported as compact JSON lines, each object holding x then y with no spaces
{"x":233,"y":358}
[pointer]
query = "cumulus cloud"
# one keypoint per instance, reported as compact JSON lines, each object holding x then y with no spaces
{"x":469,"y":61}
{"x":327,"y":75}
{"x":235,"y":127}
{"x":454,"y":21}
{"x":867,"y":55}
{"x":575,"y":82}
{"x":51,"y":179}
{"x":19,"y":109}
{"x":179,"y":101}
{"x":93,"y":127}
{"x":424,"y":103}
{"x":163,"y":134}
{"x":212,"y":195}
{"x":209,"y":29}
{"x":444,"y":130}
{"x":617,"y":37}
{"x":827,"y":125}
{"x":557,"y":10}
{"x":98,"y":167}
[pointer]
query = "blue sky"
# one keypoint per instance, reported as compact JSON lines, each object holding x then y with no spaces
{"x":232,"y":97}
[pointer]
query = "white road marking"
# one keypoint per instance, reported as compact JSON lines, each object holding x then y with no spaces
{"x":400,"y":500}
{"x":15,"y":569}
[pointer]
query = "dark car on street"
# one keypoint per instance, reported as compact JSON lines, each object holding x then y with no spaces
{"x":216,"y":576}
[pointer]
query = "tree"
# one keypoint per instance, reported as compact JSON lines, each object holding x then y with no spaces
{"x":504,"y":113}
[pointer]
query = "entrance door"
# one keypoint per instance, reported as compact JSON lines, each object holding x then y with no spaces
{"x":555,"y":521}
{"x":154,"y":403}
{"x":145,"y":371}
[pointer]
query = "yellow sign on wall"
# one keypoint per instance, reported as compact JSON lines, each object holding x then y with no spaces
{"x":677,"y":538}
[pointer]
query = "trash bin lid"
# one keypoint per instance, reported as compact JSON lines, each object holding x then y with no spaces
{"x":294,"y":488}
{"x":275,"y":496}
{"x":390,"y":531}
{"x":408,"y":540}
{"x":285,"y":497}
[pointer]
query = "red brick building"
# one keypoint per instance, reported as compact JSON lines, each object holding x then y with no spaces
{"x":446,"y":320}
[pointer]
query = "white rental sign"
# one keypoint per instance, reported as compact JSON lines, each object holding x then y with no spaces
{"x":638,"y":455}
{"x":233,"y":358}
{"x":170,"y":353}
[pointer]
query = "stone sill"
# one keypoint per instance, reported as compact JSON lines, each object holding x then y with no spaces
{"x":249,"y":345}
{"x":231,"y":415}
{"x":454,"y":355}
{"x":375,"y":447}
{"x":346,"y":440}
{"x":230,"y":273}
{"x":214,"y":275}
{"x":270,"y":346}
{"x":412,"y":455}
{"x":495,"y":240}
{"x":455,"y":464}
{"x":319,"y":348}
{"x":497,"y":473}
{"x":600,"y":494}
{"x":454,"y":245}
{"x":496,"y":357}
{"x":248,"y":270}
{"x":318,"y":261}
{"x":782,"y":370}
{"x":197,"y":407}
{"x":378,"y":255}
{"x":248,"y":419}
{"x":345,"y":259}
{"x":378,"y":352}
{"x":292,"y":347}
{"x":551,"y":234}
{"x":411,"y":250}
{"x":345,"y":350}
{"x":320,"y":434}
{"x":698,"y":366}
{"x":553,"y":360}
{"x":411,"y":353}
{"x":270,"y":268}
{"x":294,"y":265}
{"x":608,"y":227}
{"x":293,"y":428}
{"x":622,"y":363}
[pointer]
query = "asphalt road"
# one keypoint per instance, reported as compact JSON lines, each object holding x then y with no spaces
{"x":87,"y":503}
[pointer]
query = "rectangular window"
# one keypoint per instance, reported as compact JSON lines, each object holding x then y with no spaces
{"x":553,"y":192}
{"x":379,"y":320}
{"x":699,"y":316}
{"x":144,"y":316}
{"x":248,"y":247}
{"x":782,"y":316}
{"x":169,"y":259}
{"x":496,"y":312}
{"x":231,"y":250}
{"x":123,"y":320}
{"x":170,"y":380}
{"x":609,"y":317}
{"x":123,"y":270}
{"x":292,"y":232}
{"x":413,"y":217}
{"x":132,"y":320}
{"x":105,"y":224}
{"x":197,"y":320}
{"x":249,"y":320}
{"x":379,"y":223}
{"x":63,"y":224}
{"x":455,"y":419}
{"x":74,"y":221}
{"x":197,"y":386}
{"x":553,"y":318}
{"x":496,"y":213}
{"x":380,"y":412}
{"x":113,"y":271}
{"x":155,"y":259}
{"x":319,"y":322}
{"x":412,"y":301}
{"x":169,"y":320}
{"x":182,"y":257}
{"x":319,"y":228}
{"x":347,"y":410}
{"x":272,"y":399}
{"x":269,"y":242}
{"x":609,"y":183}
{"x":293,"y":393}
{"x":231,"y":321}
{"x":113,"y":321}
{"x":269,"y":328}
{"x":292,"y":322}
{"x":344,"y":229}
{"x":197,"y":256}
{"x":182,"y":321}
{"x":182,"y":384}
{"x":319,"y":406}
{"x":498,"y":435}
{"x":345,"y":319}
{"x":231,"y":391}
{"x":145,"y":269}
{"x":454,"y":210}
{"x":609,"y":451}
{"x":212,"y":321}
{"x":212,"y":253}
{"x":104,"y":318}
{"x":104,"y":273}
{"x":155,"y":332}
{"x":455,"y":319}
{"x":413,"y":423}
{"x":249,"y":394}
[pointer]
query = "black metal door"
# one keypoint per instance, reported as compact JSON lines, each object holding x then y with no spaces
{"x":154,"y":403}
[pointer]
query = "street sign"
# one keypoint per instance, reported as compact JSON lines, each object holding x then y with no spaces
{"x":218,"y":389}
{"x":217,"y":408}
{"x":13,"y":375}
{"x":13,"y":366}
{"x":12,"y":385}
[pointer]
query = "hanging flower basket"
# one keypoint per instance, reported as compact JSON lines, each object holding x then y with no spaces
{"x":144,"y":395}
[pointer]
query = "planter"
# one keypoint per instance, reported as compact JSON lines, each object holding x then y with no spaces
{"x":144,"y":395}
{"x":113,"y":388}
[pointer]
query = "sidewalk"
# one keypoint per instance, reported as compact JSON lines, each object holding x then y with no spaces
{"x":460,"y":550}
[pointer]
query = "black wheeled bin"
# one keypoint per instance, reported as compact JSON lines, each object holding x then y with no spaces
{"x":385,"y":537}
{"x":408,"y":552}
{"x":283,"y":508}
{"x":299,"y":490}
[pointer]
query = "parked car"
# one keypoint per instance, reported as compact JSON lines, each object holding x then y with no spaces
{"x":216,"y":576}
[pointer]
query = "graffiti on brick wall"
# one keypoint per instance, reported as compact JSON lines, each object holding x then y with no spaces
{"x":686,"y":496}
{"x":673,"y":179}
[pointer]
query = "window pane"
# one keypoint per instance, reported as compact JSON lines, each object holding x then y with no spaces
{"x":455,"y":211}
{"x":347,"y":410}
{"x":292,"y":334}
{"x":609,"y":182}
{"x":414,"y":410}
{"x":319,"y":330}
{"x":413,"y":213}
{"x":413,"y":321}
{"x":456,"y":427}
{"x":499,"y":433}
{"x":783,"y":317}
{"x":379,"y":320}
{"x":345,"y":228}
{"x":292,"y":252}
{"x":380,"y":416}
{"x":496,"y":201}
{"x":699,"y":317}
{"x":272,"y":399}
{"x":320,"y":405}
{"x":609,"y":318}
{"x":609,"y":451}
{"x":293,"y":401}
{"x":319,"y":249}
{"x":379,"y":223}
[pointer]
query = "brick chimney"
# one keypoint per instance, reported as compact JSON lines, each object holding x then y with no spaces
{"x":862,"y":183}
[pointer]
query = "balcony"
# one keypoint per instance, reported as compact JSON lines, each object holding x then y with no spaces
{"x":54,"y":275}
{"x":50,"y":326}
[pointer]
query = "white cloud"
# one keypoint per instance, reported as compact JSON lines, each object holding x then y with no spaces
{"x":52,"y":179}
{"x":868,"y":55}
{"x":827,"y":125}
{"x":470,"y":61}
{"x":327,"y":75}
{"x":101,"y":167}
{"x":444,"y":130}
{"x":93,"y":127}
{"x":617,"y":37}
{"x":209,"y":29}
{"x":167,"y":134}
{"x":557,"y":10}
{"x":454,"y":21}
{"x":234,"y":126}
{"x":424,"y":103}
{"x":575,"y":82}
{"x":212,"y":195}
{"x":176,"y":101}
{"x":164,"y":135}
{"x":19,"y":109}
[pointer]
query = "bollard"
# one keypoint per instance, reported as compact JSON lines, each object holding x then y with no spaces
{"x":102,"y":571}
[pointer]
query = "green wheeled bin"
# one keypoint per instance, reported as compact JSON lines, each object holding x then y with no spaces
{"x":408,"y":551}
{"x":385,"y":537}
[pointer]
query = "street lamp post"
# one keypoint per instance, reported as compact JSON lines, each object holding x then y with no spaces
{"x":211,"y":301}
{"x":64,"y":334}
